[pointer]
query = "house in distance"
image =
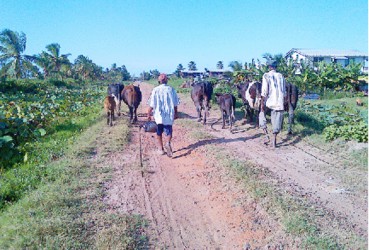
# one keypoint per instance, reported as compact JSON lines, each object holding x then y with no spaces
{"x":343,"y":57}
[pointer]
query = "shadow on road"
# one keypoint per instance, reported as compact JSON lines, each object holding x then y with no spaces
{"x":222,"y":140}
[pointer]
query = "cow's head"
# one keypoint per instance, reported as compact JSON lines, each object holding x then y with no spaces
{"x":218,"y":97}
{"x":241,"y":89}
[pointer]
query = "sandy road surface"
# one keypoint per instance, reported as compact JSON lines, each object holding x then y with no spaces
{"x":193,"y":205}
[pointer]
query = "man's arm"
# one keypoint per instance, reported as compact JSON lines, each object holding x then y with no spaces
{"x":175,"y":112}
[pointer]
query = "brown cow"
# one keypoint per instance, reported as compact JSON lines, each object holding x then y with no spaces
{"x":109,"y":106}
{"x":132,"y":96}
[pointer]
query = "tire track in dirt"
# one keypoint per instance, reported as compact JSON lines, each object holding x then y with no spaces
{"x":302,"y":168}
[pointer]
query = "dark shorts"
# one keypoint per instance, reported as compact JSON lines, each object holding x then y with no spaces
{"x":167,"y":129}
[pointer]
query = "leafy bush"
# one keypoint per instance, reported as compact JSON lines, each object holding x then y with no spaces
{"x":29,"y":109}
{"x":357,"y":132}
{"x":334,"y":121}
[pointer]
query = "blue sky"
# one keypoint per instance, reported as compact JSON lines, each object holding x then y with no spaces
{"x":160,"y":34}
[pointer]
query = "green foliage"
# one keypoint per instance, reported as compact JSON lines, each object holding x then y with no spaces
{"x":333,"y":120}
{"x":117,"y":74}
{"x":357,"y":132}
{"x":29,"y":110}
{"x":12,"y":60}
{"x":27,"y":166}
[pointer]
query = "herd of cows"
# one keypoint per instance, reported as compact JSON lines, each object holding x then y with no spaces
{"x":201,"y":94}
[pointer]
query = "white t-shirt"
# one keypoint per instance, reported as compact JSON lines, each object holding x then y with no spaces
{"x":273,"y":89}
{"x":163,"y":99}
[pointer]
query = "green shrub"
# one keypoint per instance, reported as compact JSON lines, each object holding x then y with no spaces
{"x":358,"y":132}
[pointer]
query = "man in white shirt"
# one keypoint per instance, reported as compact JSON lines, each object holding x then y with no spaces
{"x":273,"y":92}
{"x":163,"y":104}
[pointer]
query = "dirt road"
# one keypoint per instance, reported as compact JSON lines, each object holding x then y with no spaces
{"x":192,"y":203}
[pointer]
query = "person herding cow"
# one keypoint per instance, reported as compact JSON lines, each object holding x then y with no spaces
{"x":163,"y":104}
{"x":273,"y":92}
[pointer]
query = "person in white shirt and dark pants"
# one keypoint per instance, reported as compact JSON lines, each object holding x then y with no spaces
{"x":163,"y":104}
{"x":273,"y":92}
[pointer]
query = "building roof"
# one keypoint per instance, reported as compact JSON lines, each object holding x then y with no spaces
{"x":219,"y":70}
{"x":328,"y":53}
{"x":192,"y":71}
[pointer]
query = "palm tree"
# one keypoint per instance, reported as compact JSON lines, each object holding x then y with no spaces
{"x":43,"y":61}
{"x":220,"y":65}
{"x":56,"y":59}
{"x":192,"y":66}
{"x":14,"y":63}
{"x":235,"y":65}
{"x":279,"y":58}
{"x":177,"y":72}
{"x":84,"y":67}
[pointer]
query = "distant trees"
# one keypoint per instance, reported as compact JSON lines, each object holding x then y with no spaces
{"x":154,"y":73}
{"x":56,"y":59}
{"x":192,"y":66}
{"x":220,"y":65}
{"x":235,"y":65}
{"x":145,"y":76}
{"x":86,"y":69}
{"x":49,"y":63}
{"x":12,"y":60}
{"x":117,"y":74}
{"x":178,"y":70}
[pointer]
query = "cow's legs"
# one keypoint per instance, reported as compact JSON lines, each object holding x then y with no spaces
{"x":207,"y":107}
{"x":223,"y":118}
{"x":131,"y":114}
{"x":205,"y":114}
{"x":107,"y":117}
{"x":135,"y":113}
{"x":119,"y":106}
{"x":198,"y":109}
{"x":230,"y":119}
{"x":291,"y":115}
{"x":250,"y":114}
{"x":111,"y":117}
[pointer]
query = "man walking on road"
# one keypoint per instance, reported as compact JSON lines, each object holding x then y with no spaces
{"x":272,"y":95}
{"x":163,"y":104}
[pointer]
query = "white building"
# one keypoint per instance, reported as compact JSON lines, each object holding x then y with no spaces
{"x":343,"y":57}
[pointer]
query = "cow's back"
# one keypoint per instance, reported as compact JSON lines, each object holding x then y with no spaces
{"x":115,"y":89}
{"x":109,"y":103}
{"x":200,"y":90}
{"x":197,"y":91}
{"x":132,"y":95}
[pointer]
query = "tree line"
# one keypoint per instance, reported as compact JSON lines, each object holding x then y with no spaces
{"x":50,"y":63}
